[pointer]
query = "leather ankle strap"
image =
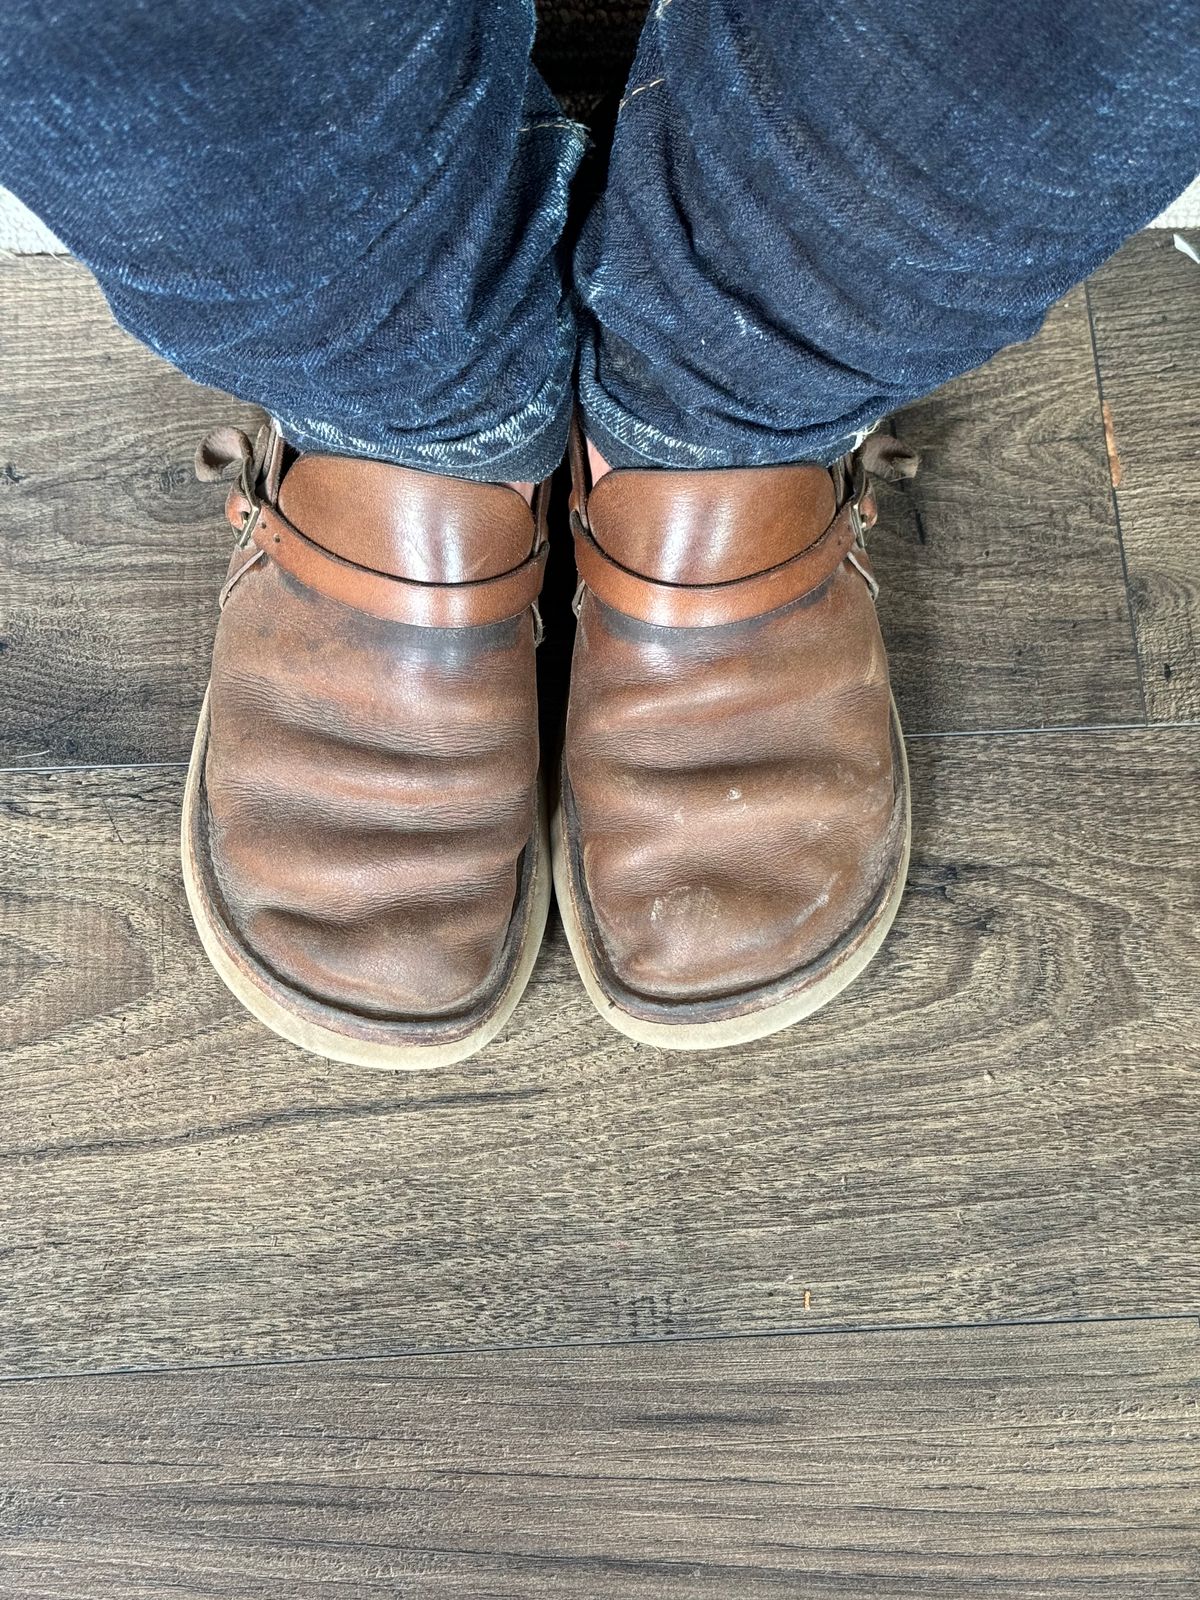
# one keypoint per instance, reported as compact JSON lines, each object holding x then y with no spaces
{"x":676,"y":605}
{"x":264,"y":532}
{"x":380,"y":594}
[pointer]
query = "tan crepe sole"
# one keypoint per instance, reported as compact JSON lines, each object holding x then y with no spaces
{"x":838,"y":973}
{"x":282,"y":1010}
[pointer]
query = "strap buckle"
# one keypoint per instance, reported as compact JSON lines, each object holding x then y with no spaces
{"x":248,"y":492}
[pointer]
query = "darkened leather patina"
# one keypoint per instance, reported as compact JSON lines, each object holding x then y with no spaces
{"x":734,"y":810}
{"x":368,"y":807}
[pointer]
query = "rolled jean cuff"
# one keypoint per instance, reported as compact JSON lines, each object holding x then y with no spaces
{"x":537,"y":441}
{"x":524,"y":448}
{"x":617,"y":426}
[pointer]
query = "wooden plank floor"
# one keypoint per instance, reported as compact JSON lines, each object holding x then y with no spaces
{"x":902,"y":1302}
{"x":926,"y":1463}
{"x":999,"y":1123}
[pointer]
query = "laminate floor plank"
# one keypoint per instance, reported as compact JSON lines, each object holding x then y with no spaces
{"x":1059,"y":1462}
{"x":111,"y":554}
{"x":1003,"y":598}
{"x":998,"y":1122}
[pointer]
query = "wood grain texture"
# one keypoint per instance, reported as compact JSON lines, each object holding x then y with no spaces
{"x":1004,"y":600}
{"x":1146,"y":311}
{"x":998,"y":1122}
{"x":1057,"y":1462}
{"x":111,"y":555}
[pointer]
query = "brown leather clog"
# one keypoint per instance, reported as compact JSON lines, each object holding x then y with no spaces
{"x":732,"y":837}
{"x":364,"y":846}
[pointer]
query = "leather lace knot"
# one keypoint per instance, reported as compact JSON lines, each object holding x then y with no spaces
{"x":881,"y":456}
{"x":227,"y":452}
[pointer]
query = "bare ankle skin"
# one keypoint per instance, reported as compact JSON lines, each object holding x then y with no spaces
{"x":597,"y":463}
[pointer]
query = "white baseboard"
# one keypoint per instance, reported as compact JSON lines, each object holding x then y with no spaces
{"x":1185,"y":213}
{"x":21,"y":231}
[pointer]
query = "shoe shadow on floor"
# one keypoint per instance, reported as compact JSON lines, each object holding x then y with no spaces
{"x":906,"y":618}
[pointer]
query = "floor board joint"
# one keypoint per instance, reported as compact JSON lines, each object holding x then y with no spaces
{"x":1134,"y":637}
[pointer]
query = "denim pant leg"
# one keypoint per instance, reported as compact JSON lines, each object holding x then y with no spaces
{"x":818,"y":210}
{"x":349,"y":213}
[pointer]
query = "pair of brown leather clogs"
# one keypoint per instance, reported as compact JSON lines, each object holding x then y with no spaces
{"x":365,"y":839}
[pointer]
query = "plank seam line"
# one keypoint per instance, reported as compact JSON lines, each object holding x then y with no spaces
{"x":1189,"y":1318}
{"x":1115,"y":501}
{"x":83,"y":767}
{"x":1047,"y":731}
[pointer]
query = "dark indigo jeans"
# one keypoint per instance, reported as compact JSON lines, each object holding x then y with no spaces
{"x":816,"y":210}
